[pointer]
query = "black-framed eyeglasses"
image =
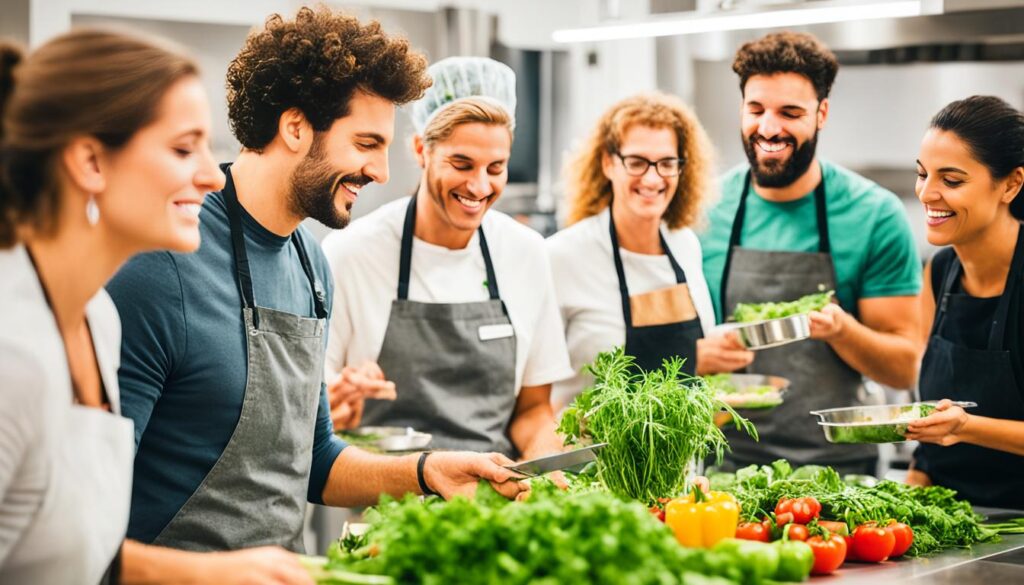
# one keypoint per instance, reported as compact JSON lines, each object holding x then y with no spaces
{"x":637,"y":166}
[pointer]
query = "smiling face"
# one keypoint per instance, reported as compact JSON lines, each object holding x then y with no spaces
{"x":157,"y":181}
{"x":960,"y":196}
{"x":464,"y":175}
{"x":780,"y":121}
{"x":343,"y":159}
{"x":646,"y":196}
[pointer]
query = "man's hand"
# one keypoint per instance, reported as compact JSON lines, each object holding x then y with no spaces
{"x":942,"y":427}
{"x":455,"y":473}
{"x":720,"y":353}
{"x":348,"y":392}
{"x":828,"y":322}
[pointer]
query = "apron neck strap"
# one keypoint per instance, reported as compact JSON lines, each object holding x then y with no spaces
{"x":243,"y":273}
{"x":405,"y":256}
{"x":1013,"y":279}
{"x":627,"y":312}
{"x":735,"y":235}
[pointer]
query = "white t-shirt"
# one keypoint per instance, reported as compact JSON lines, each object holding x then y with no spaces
{"x":364,"y":264}
{"x":65,"y":469}
{"x":588,"y":289}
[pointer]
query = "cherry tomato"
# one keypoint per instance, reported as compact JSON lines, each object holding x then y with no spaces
{"x":753,"y":531}
{"x":783,"y":518}
{"x":872,"y":544}
{"x":904,"y":536}
{"x":658,"y":512}
{"x":784,"y":505}
{"x":829,"y":553}
{"x":797,"y":532}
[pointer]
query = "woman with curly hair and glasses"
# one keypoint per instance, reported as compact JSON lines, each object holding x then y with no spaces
{"x":628,"y":268}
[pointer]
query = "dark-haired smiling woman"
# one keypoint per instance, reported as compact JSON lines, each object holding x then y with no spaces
{"x":970,"y":171}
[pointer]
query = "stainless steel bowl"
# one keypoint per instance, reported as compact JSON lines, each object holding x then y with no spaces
{"x":742,"y":381}
{"x":884,"y":423}
{"x":394,"y":438}
{"x":773,"y":332}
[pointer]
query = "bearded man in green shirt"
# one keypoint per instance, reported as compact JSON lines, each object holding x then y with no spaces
{"x":791,"y":224}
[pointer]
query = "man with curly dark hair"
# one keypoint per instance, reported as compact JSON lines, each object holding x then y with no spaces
{"x":790,"y":224}
{"x":223,"y":352}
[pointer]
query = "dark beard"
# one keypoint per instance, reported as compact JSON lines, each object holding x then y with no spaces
{"x":776,"y":176}
{"x":313,"y":185}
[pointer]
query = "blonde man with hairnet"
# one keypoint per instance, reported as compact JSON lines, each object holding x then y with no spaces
{"x":441,"y":304}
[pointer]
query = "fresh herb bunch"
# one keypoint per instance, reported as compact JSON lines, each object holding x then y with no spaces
{"x":750,"y":312}
{"x":939,"y":519}
{"x":655,"y":424}
{"x":554,"y":537}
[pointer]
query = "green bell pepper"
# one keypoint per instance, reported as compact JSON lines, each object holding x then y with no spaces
{"x":795,"y":560}
{"x":756,"y":561}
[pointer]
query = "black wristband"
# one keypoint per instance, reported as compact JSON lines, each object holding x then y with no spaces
{"x":419,"y":475}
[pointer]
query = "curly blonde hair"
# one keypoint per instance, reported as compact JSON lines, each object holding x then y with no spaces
{"x":590,"y":191}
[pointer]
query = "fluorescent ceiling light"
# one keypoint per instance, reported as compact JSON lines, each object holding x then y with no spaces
{"x":742,"y":21}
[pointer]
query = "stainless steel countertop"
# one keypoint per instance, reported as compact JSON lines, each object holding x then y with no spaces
{"x":983,"y":564}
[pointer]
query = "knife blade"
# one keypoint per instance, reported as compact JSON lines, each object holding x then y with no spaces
{"x":549,"y":463}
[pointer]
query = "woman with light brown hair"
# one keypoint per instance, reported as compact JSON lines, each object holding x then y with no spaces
{"x":104,"y":153}
{"x":628,"y":268}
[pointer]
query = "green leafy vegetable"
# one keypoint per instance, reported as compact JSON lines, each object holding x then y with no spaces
{"x":939,"y":519}
{"x":555,"y":537}
{"x":655,"y":423}
{"x":750,"y":312}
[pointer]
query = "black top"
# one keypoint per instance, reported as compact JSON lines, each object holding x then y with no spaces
{"x":973,"y":327}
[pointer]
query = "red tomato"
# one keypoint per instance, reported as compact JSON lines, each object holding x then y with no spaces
{"x":850,"y":555}
{"x":872,"y":544}
{"x":828,"y":553}
{"x":797,"y":532}
{"x":904,"y":536}
{"x":753,"y":531}
{"x":784,"y":505}
{"x":783,"y":518}
{"x":803,"y":509}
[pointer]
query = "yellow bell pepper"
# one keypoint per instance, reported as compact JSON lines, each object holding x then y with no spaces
{"x":700,"y":520}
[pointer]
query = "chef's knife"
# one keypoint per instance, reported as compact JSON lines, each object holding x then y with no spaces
{"x":549,"y":463}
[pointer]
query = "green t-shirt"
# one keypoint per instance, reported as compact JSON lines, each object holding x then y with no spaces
{"x":872,"y":245}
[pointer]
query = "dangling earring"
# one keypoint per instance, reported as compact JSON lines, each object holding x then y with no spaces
{"x":92,"y":211}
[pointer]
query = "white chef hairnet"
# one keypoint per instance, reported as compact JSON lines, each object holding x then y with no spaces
{"x":457,"y":78}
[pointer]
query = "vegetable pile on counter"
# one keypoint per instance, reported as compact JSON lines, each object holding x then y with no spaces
{"x":938,"y":520}
{"x":575,"y":536}
{"x":655,"y":423}
{"x":751,"y":312}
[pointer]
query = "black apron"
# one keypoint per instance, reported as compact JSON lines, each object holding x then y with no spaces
{"x":819,"y":378}
{"x":650,"y":345}
{"x":951,"y":369}
{"x":255,"y":494}
{"x":453,"y":364}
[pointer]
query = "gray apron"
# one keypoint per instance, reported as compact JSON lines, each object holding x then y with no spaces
{"x":819,"y":377}
{"x":453,"y":364}
{"x":256,"y":492}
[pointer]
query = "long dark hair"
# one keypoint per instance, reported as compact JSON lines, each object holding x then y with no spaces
{"x":994,"y":133}
{"x":88,"y":82}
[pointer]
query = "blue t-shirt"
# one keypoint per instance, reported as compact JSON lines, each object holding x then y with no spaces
{"x":873,"y":247}
{"x":183,"y":357}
